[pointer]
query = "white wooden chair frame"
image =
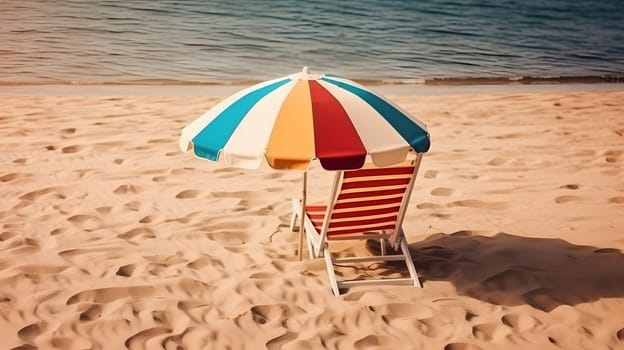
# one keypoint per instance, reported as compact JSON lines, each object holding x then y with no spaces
{"x":318,"y":245}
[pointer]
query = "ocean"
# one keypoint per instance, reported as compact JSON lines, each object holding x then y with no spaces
{"x":192,"y":42}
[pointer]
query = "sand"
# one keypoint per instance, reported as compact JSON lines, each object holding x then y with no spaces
{"x":111,"y":238}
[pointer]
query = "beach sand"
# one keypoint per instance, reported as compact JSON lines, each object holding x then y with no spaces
{"x":112,"y":238}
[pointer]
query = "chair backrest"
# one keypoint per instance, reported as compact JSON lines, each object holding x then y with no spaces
{"x":370,"y":199}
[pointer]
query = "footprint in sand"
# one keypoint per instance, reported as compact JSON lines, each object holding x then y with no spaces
{"x":567,"y":199}
{"x":263,"y":275}
{"x":510,"y":136}
{"x":277,"y":175}
{"x":68,"y":131}
{"x":104,"y":210}
{"x":442,"y":191}
{"x":616,"y":200}
{"x":175,"y":341}
{"x":19,"y":245}
{"x":373,"y":340}
{"x":620,"y":334}
{"x":611,"y":172}
{"x":14,"y":176}
{"x":435,"y":328}
{"x":461,"y":346}
{"x":428,"y":206}
{"x":542,"y":299}
{"x":180,"y":171}
{"x":490,"y":332}
{"x":84,"y":220}
{"x":126,"y":270}
{"x":272,"y":313}
{"x":159,"y":178}
{"x":226,"y":170}
{"x":92,"y":313}
{"x":469,"y":316}
{"x":133,"y":205}
{"x":56,"y":231}
{"x":41,"y":269}
{"x":35,"y":195}
{"x":6,"y":235}
{"x":571,"y":187}
{"x":475,"y":203}
{"x":140,"y":339}
{"x":399,"y":311}
{"x":146,"y":219}
{"x":466,"y":233}
{"x":107,"y":295}
{"x":308,"y":273}
{"x":228,"y":237}
{"x":187,"y":194}
{"x":274,"y":189}
{"x":466,"y":177}
{"x":497,"y":161}
{"x":141,"y":232}
{"x":71,"y":149}
{"x":612,"y":156}
{"x":31,"y":331}
{"x":430,"y":174}
{"x":278,"y":343}
{"x":552,"y":340}
{"x":190,"y":287}
{"x":204,"y":261}
{"x":160,"y":141}
{"x":126,"y":189}
{"x":520,"y":322}
{"x":20,"y":161}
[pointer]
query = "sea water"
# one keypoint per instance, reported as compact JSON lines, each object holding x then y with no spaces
{"x":229,"y":42}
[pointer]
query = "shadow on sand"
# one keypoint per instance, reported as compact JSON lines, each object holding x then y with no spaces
{"x":514,"y":270}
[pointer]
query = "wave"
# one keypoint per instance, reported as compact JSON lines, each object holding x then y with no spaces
{"x":444,"y":81}
{"x":577,"y":79}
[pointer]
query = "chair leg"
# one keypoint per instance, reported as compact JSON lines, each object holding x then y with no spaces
{"x":409,"y":262}
{"x":382,"y":245}
{"x":310,"y":248}
{"x":293,"y":218}
{"x":330,"y":271}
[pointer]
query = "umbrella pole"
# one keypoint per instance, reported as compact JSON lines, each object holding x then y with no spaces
{"x":303,"y":205}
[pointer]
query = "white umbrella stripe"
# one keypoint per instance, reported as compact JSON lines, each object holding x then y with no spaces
{"x":382,"y":142}
{"x":247,"y":145}
{"x":398,"y":108}
{"x":195,"y":127}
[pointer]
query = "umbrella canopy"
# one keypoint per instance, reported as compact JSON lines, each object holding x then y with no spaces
{"x":290,"y":121}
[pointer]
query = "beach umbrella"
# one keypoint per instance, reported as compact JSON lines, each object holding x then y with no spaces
{"x":291,"y":121}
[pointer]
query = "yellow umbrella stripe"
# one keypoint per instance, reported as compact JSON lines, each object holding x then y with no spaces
{"x":291,"y":144}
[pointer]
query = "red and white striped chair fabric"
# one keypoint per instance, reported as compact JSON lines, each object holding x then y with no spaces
{"x":368,"y":203}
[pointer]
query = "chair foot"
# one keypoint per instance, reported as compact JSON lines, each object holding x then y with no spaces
{"x":330,"y":272}
{"x":294,"y":216}
{"x":293,"y":221}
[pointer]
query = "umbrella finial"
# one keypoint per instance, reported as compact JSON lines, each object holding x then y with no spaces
{"x":305,"y":74}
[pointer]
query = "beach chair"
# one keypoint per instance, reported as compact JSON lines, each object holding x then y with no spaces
{"x":364,"y":204}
